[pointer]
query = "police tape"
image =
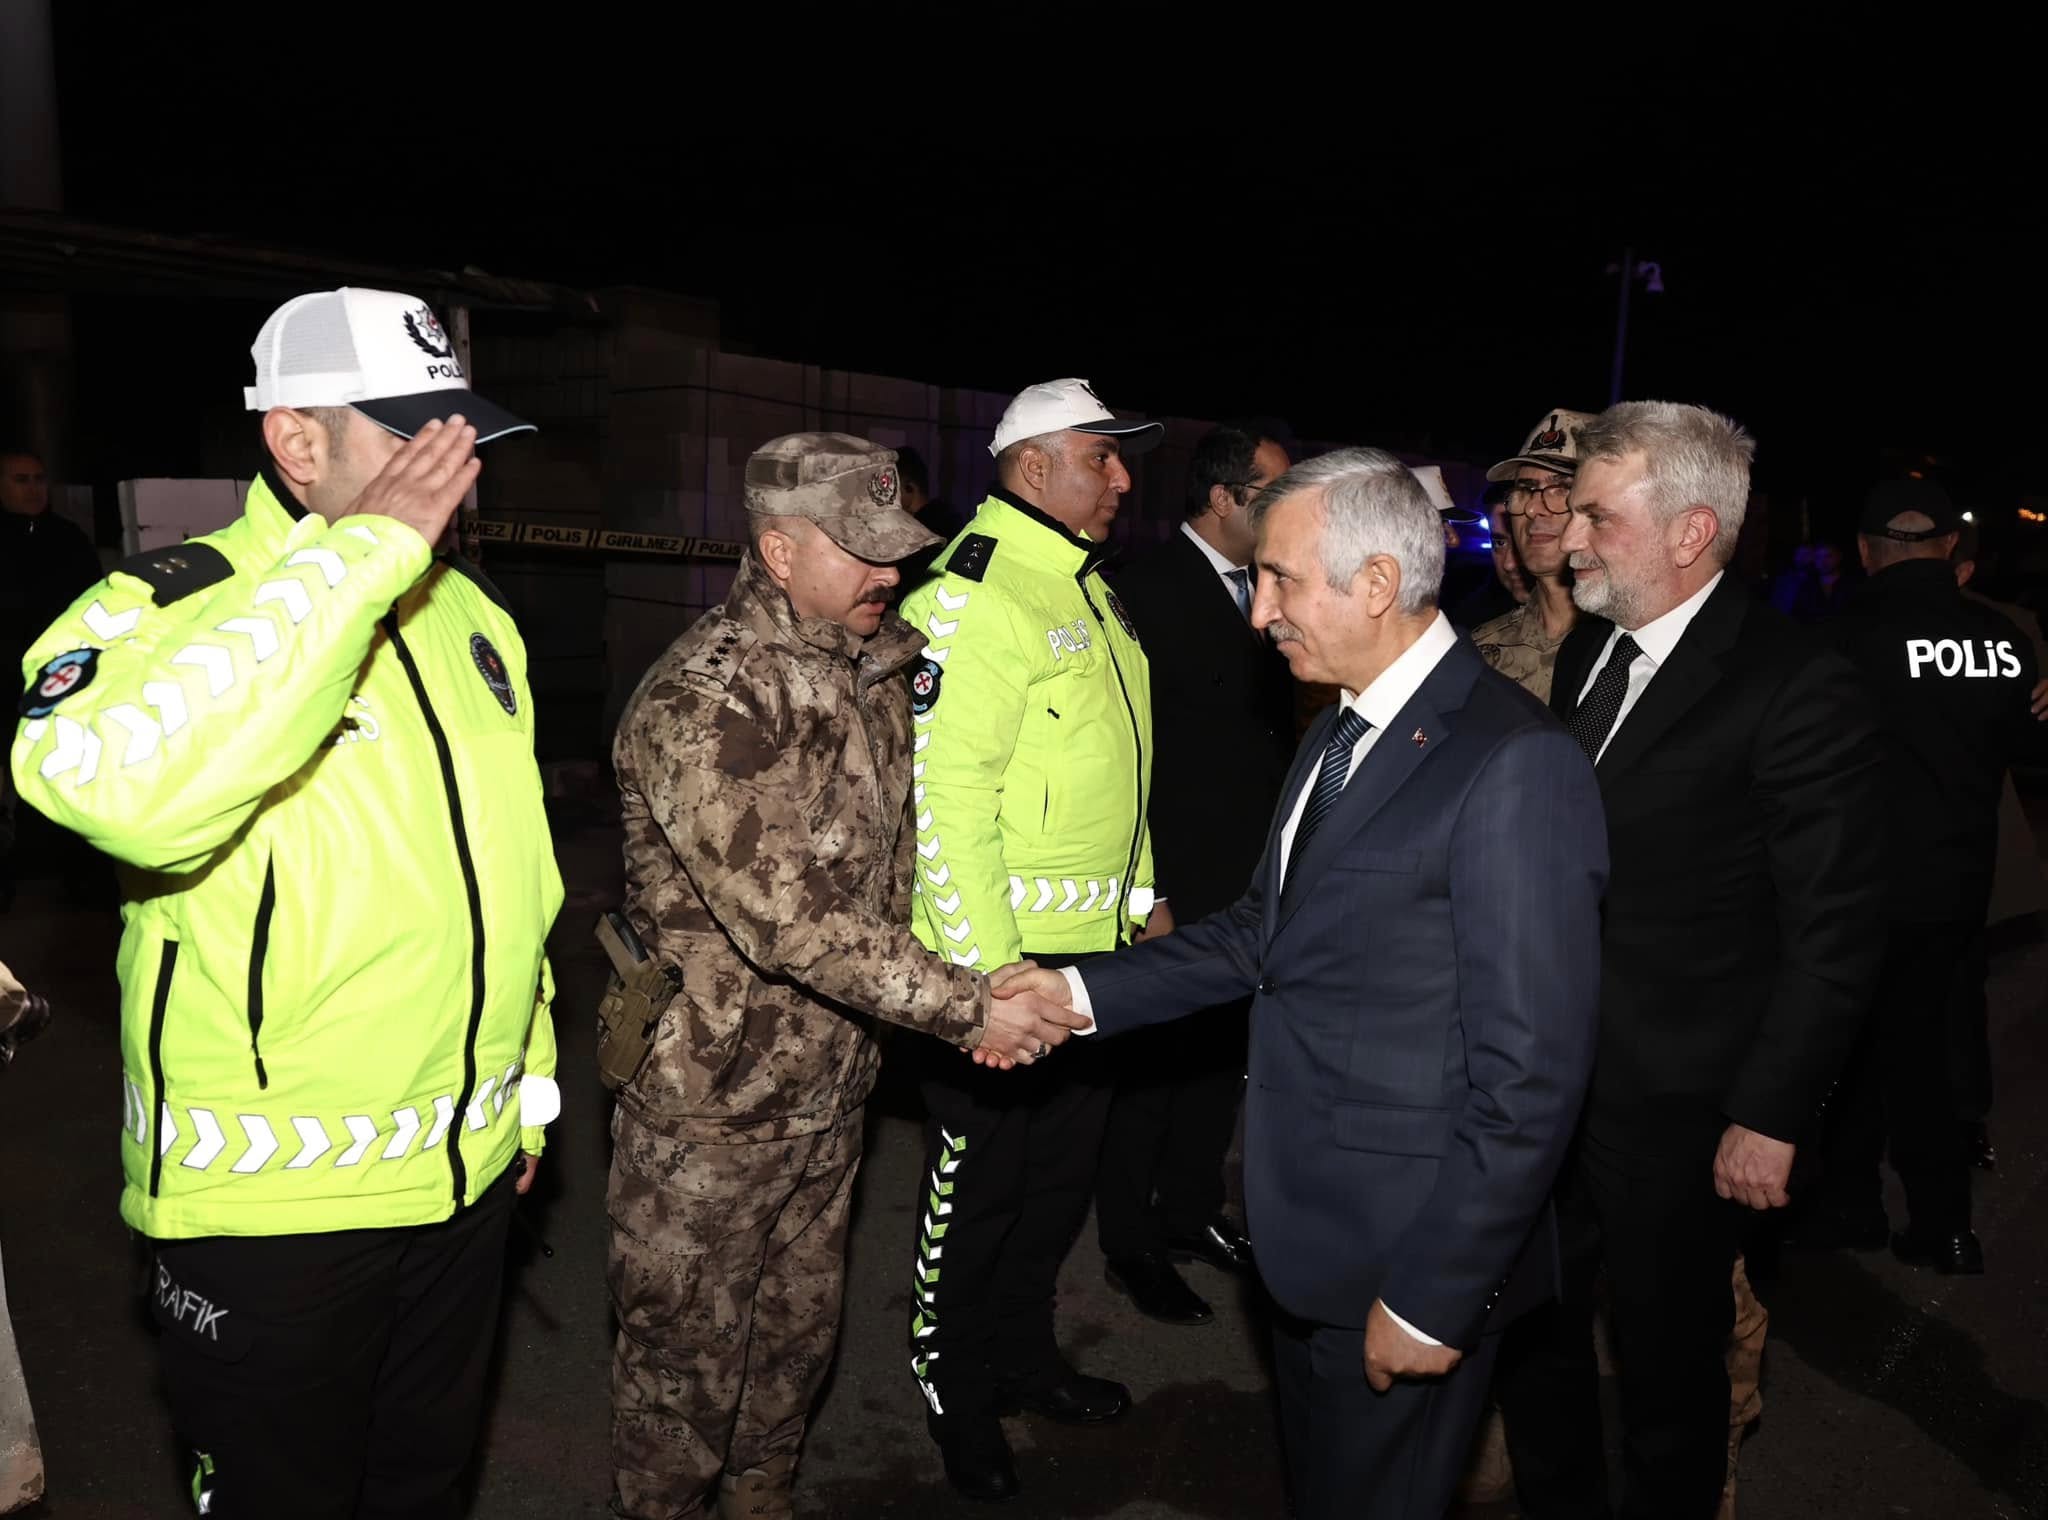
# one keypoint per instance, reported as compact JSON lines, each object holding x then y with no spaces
{"x":606,"y":540}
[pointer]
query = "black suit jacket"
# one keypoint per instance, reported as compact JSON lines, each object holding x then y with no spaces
{"x":1425,"y":987}
{"x":1222,"y":727}
{"x":1745,"y":908}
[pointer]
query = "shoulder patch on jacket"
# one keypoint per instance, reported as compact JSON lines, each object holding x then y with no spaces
{"x":177,"y":570}
{"x":721,"y":652}
{"x":970,"y":560}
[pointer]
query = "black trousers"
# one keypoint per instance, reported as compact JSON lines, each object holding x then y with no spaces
{"x":1969,"y":1033}
{"x":1171,"y":1120}
{"x":1901,"y":1084}
{"x":336,"y":1376}
{"x":1009,"y":1167}
{"x":1642,"y":1205}
{"x":1353,"y":1454}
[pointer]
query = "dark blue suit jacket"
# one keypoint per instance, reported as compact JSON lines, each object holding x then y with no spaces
{"x":1426,"y":989}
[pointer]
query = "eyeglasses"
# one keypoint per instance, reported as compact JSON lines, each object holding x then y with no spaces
{"x":1526,"y":498}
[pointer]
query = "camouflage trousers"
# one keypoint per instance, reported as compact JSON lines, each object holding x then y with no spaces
{"x":727,"y":1266}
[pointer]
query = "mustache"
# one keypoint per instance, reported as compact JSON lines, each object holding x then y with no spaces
{"x":1584,"y":560}
{"x":884,"y":594}
{"x":1281,"y":632}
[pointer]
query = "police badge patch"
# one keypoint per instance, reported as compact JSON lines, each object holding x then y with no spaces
{"x":924,"y":685}
{"x":491,"y":666}
{"x":57,"y":680}
{"x":1122,"y":616}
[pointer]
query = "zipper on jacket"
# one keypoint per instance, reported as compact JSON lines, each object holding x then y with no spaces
{"x":166,"y":965}
{"x":259,"y":952}
{"x":476,"y":903}
{"x":1123,"y":916}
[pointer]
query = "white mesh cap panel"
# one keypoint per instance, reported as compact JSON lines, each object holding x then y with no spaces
{"x":306,"y":355}
{"x":314,"y":339}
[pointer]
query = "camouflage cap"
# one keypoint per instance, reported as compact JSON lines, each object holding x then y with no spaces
{"x":846,"y":485}
{"x":1553,"y":444}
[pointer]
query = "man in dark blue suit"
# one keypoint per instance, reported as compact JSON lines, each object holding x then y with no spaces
{"x":1422,"y":946}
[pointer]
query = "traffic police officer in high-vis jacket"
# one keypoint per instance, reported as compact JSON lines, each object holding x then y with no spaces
{"x":1952,"y":679}
{"x":308,"y":739}
{"x":1033,"y":748}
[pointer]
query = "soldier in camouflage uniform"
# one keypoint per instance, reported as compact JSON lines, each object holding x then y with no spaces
{"x":765,"y":767}
{"x":1522,"y":645}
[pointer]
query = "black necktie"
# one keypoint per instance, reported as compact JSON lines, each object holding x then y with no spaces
{"x":1594,"y":718}
{"x":1330,"y":781}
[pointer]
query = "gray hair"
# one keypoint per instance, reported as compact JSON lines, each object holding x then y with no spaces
{"x":1372,"y":504}
{"x":1692,"y":457}
{"x":1011,"y":460}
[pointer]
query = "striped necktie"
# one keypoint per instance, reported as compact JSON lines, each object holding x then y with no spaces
{"x":1241,"y":587}
{"x":1336,"y":770}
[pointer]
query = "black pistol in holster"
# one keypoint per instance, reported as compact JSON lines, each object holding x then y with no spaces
{"x":635,"y":998}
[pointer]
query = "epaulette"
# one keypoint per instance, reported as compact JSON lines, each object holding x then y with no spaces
{"x":721,"y":652}
{"x":177,"y":570}
{"x":970,"y":560}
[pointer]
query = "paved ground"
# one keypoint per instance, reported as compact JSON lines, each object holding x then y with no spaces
{"x":1890,"y":1393}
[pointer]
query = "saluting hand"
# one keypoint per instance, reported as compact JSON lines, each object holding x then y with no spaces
{"x":424,"y":482}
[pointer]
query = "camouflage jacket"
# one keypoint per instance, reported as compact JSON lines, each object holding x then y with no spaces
{"x":764,"y":767}
{"x":1515,"y":645}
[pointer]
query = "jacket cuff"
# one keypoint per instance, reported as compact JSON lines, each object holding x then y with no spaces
{"x":972,"y":1039}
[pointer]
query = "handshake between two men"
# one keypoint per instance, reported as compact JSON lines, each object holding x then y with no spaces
{"x":1032,"y":1012}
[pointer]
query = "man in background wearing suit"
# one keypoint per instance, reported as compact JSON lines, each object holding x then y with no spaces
{"x":1421,"y":947}
{"x":1223,"y":732}
{"x":1738,"y":764}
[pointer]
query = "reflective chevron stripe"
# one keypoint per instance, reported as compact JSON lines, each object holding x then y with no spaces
{"x":260,"y":632}
{"x":262,"y":1144}
{"x":102,"y":624}
{"x":144,"y":733}
{"x":332,"y":567}
{"x":1061,"y":894}
{"x":211,"y":1141}
{"x":924,"y":1314}
{"x":408,"y":1122}
{"x":218,"y":664}
{"x":77,"y":749}
{"x":313,"y":1144}
{"x":298,"y":601}
{"x":134,"y":731}
{"x":255,"y":1143}
{"x":444,"y":1115}
{"x":363,"y":1130}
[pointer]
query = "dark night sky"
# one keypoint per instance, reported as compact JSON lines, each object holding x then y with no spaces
{"x":1387,"y":239}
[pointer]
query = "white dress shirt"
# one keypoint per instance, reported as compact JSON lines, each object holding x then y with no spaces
{"x":1379,"y":704}
{"x":1218,"y":561}
{"x":1656,"y":639}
